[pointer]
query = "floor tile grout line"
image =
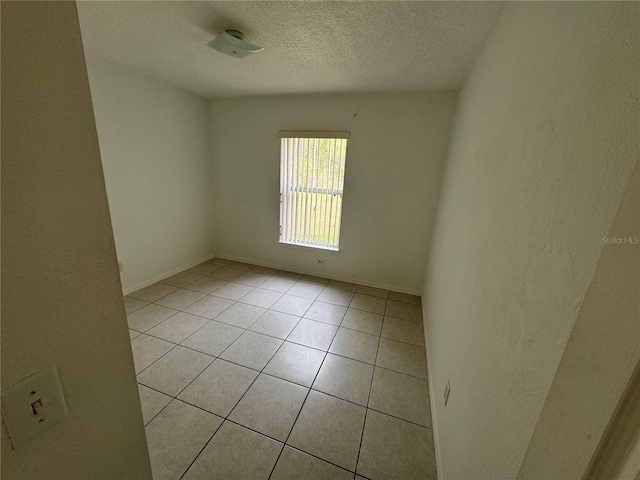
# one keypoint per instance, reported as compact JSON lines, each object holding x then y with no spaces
{"x":261,"y":434}
{"x":135,"y":309}
{"x":287,"y":380}
{"x":366,"y":412}
{"x":278,"y":338}
{"x":208,"y":292}
{"x":326,"y":353}
{"x":271,"y":276}
{"x":400,"y":418}
{"x":195,"y":331}
{"x":217,"y":315}
{"x":229,"y":346}
{"x":333,"y":325}
{"x":262,"y":372}
{"x":401,"y":373}
{"x":311,"y":455}
{"x":268,"y":308}
{"x":226,"y":418}
{"x":299,"y":411}
{"x":163,"y":321}
{"x":164,"y":354}
{"x":177,"y":394}
{"x":159,"y":412}
{"x":205,"y":318}
{"x":219,"y":357}
{"x":151,"y":303}
{"x":186,"y":306}
{"x":163,"y":282}
{"x":278,"y":311}
{"x":303,"y":318}
{"x":326,"y":323}
{"x":202,"y":449}
{"x":188,"y":336}
{"x":178,"y":344}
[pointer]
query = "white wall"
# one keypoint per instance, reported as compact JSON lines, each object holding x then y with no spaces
{"x":155,"y":150}
{"x":61,"y":294}
{"x":597,"y":366}
{"x":544,"y":141}
{"x":394,"y":165}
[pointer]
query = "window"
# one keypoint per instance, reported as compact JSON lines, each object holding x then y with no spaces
{"x":311,"y":184}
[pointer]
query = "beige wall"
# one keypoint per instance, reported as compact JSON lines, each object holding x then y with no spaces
{"x":544,"y":142}
{"x":395,"y":157}
{"x":61,"y":295}
{"x":599,"y":360}
{"x":618,"y":455}
{"x":154,"y":144}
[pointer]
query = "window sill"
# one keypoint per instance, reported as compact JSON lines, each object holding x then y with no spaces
{"x":313,"y":247}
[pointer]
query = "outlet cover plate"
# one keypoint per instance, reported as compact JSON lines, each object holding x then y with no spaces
{"x":20,"y":418}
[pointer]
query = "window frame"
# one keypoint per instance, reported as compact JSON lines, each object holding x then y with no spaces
{"x":284,"y":185}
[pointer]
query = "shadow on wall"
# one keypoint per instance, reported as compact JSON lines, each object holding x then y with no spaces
{"x":544,"y":143}
{"x":61,"y":294}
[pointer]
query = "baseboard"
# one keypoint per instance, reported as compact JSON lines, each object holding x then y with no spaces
{"x":392,"y":288}
{"x":357,"y":281}
{"x":146,"y":283}
{"x":432,"y":402}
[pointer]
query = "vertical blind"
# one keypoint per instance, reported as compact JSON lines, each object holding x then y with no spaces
{"x":311,"y":184}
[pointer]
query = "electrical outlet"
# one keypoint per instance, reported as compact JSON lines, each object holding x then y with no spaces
{"x":321,"y":261}
{"x":121,"y":265}
{"x":447,"y":391}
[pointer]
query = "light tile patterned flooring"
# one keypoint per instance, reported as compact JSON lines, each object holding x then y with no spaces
{"x":246,"y":372}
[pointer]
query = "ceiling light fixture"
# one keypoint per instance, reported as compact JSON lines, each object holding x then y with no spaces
{"x":231,"y":43}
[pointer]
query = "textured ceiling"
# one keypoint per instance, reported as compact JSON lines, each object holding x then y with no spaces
{"x":310,"y":47}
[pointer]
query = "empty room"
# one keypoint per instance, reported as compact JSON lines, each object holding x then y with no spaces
{"x":354,"y":240}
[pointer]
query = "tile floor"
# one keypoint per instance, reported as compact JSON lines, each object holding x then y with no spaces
{"x":246,"y":372}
